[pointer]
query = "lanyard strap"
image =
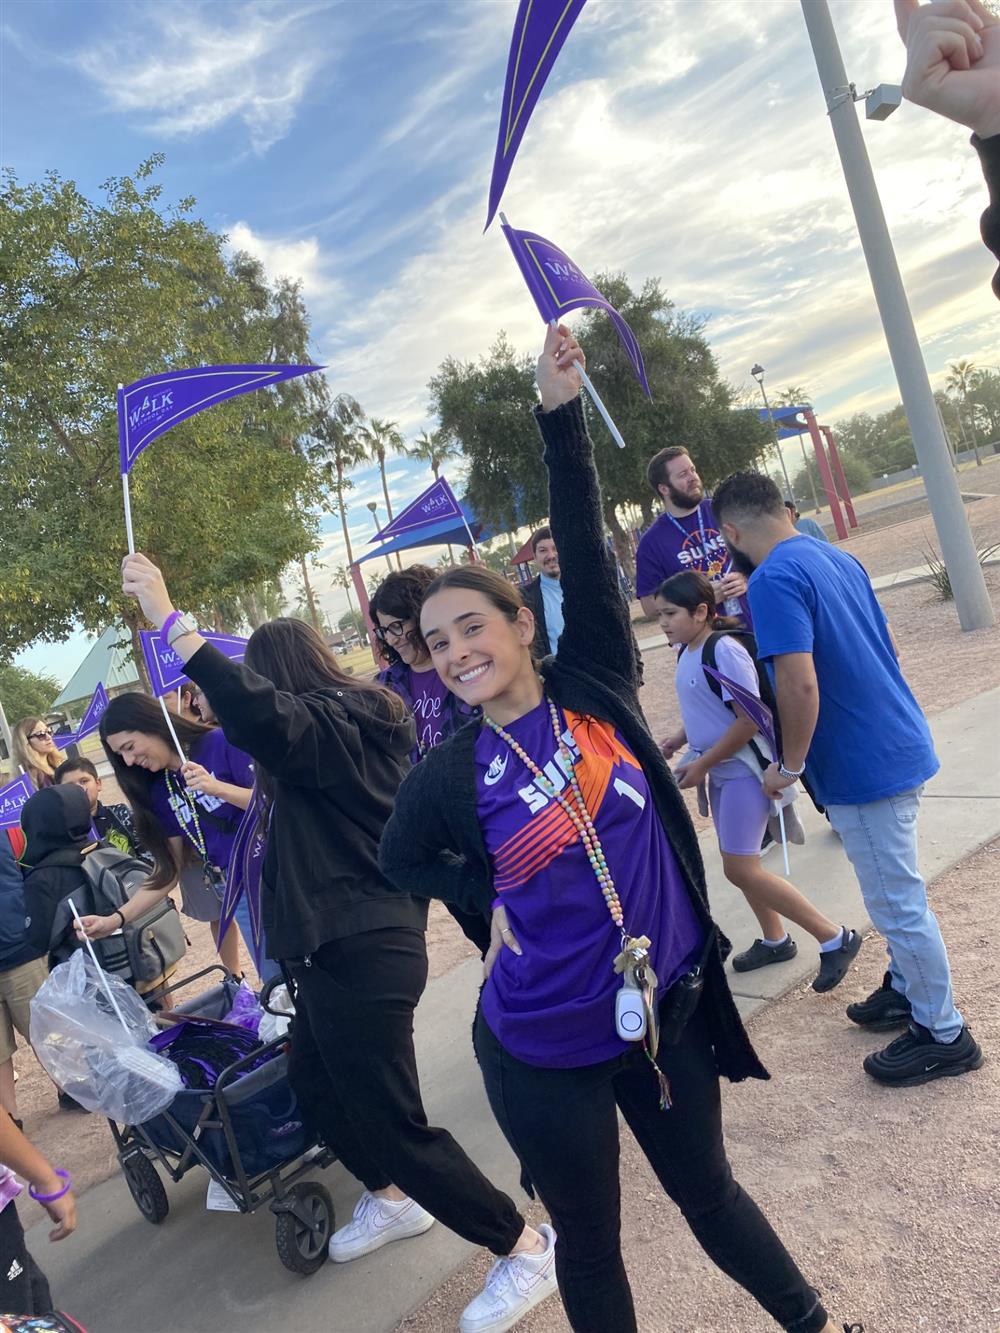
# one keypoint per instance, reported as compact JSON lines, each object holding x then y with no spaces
{"x":698,"y":531}
{"x":192,"y":830}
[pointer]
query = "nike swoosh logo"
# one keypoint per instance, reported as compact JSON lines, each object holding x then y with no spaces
{"x":496,"y":770}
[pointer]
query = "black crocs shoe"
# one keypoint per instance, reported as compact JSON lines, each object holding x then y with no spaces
{"x":762,"y":955}
{"x":835,"y":964}
{"x":885,"y":1008}
{"x":915,"y":1057}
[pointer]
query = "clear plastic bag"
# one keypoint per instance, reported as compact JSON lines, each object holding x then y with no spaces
{"x":81,"y":1043}
{"x":276,"y":1024}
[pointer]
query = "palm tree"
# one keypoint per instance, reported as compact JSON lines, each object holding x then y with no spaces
{"x":434,"y":448}
{"x":960,"y":381}
{"x":342,"y":579}
{"x":337,"y":432}
{"x":381,"y":437}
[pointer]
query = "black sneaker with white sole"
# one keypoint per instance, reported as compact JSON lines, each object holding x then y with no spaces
{"x":885,"y":1008}
{"x":762,"y":955}
{"x":835,"y":964}
{"x":915,"y":1057}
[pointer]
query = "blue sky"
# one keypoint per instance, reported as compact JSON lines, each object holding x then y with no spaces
{"x":350,"y":145}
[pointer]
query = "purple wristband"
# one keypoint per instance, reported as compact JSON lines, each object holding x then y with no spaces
{"x":51,"y":1198}
{"x":168,"y":625}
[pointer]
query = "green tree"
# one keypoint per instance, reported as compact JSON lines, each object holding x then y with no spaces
{"x":352,"y":622}
{"x":97,"y":293}
{"x":337,"y":447}
{"x":984,"y":396}
{"x":25,"y":693}
{"x":380,"y":438}
{"x":960,"y":381}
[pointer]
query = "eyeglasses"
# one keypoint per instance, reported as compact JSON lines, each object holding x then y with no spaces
{"x":45,"y":735}
{"x":395,"y":629}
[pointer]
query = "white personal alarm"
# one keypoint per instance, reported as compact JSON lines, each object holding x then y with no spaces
{"x":630,"y":1013}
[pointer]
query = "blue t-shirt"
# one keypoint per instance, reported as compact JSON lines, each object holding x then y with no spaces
{"x":871,"y":739}
{"x":552,"y":605}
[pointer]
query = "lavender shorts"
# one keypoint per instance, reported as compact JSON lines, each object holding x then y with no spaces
{"x":740,"y":812}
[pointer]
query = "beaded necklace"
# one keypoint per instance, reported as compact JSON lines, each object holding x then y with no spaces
{"x":192,"y":828}
{"x":634,"y":956}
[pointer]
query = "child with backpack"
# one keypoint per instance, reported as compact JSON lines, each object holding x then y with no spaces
{"x":63,"y":861}
{"x":113,"y":824}
{"x":720,"y":739}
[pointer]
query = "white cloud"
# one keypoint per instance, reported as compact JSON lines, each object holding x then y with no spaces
{"x":300,"y":259}
{"x":188,"y":68}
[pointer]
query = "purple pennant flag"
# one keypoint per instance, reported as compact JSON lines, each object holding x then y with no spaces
{"x":245,"y":865}
{"x":558,"y":286}
{"x":540,"y":29}
{"x":431,"y":506}
{"x":65,"y":738}
{"x":95,"y":711}
{"x":166,"y":670}
{"x":152,"y":405}
{"x":751,"y":704}
{"x":12,"y":798}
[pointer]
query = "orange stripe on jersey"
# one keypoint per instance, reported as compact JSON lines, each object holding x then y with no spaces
{"x":545,"y":835}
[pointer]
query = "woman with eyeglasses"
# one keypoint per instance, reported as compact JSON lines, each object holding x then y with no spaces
{"x":437,"y":713}
{"x":35,"y":750}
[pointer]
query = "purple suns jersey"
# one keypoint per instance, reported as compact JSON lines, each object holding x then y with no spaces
{"x":554,"y":1004}
{"x":672,"y":545}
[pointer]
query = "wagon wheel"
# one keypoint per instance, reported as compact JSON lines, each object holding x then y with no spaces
{"x":146,"y":1187}
{"x":302,"y":1245}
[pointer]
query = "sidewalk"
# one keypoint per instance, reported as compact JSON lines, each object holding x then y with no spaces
{"x":201,"y":1270}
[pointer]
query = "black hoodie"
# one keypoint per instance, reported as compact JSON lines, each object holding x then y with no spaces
{"x":337,"y":758}
{"x":56,"y":825}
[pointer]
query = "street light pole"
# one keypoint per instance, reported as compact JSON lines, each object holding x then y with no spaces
{"x":972,"y":601}
{"x":758,"y":374}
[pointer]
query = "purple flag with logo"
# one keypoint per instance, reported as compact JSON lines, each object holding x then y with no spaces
{"x":12,"y":798}
{"x":751,"y":704}
{"x":431,"y":506}
{"x":152,"y":405}
{"x":558,"y":286}
{"x":166,"y":670}
{"x":245,"y":865}
{"x":540,"y":29}
{"x":95,"y":711}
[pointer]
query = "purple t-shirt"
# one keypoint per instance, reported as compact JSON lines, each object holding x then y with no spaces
{"x":672,"y":545}
{"x":428,"y":694}
{"x":554,"y":1005}
{"x":173,"y":813}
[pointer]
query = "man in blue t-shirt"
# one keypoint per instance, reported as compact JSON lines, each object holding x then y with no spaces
{"x":850,"y":722}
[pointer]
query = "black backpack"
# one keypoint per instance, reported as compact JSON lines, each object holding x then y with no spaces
{"x":767,"y":694}
{"x":146,"y":948}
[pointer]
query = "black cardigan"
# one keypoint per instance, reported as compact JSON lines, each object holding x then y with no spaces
{"x":533,"y":599}
{"x":336,"y":758}
{"x":433,"y":846}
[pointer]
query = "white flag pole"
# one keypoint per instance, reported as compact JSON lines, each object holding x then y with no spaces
{"x":170,"y":728}
{"x":100,"y":970}
{"x":598,"y":402}
{"x":125,"y":491}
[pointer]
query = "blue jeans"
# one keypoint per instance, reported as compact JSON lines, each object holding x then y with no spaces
{"x":268,"y":967}
{"x":880,"y":839}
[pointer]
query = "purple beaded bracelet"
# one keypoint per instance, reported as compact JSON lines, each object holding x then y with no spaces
{"x":51,"y":1198}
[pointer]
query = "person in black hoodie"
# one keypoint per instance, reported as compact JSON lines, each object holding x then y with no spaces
{"x":57,"y":830}
{"x":330,"y":751}
{"x":562,"y":798}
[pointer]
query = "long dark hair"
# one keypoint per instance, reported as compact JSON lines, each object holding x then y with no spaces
{"x":689,"y":589}
{"x":401,"y":595}
{"x":292,"y":656}
{"x":138,"y":712}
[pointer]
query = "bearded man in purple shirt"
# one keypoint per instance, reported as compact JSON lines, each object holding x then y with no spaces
{"x":686,"y":536}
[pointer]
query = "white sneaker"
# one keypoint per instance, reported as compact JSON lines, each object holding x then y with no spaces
{"x":515,"y":1285}
{"x":375,"y":1223}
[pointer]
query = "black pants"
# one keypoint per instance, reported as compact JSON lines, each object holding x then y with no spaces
{"x":23,"y":1286}
{"x":563,"y":1125}
{"x":354,"y":1071}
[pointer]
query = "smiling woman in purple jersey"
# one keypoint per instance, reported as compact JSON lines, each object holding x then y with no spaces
{"x":559,"y":813}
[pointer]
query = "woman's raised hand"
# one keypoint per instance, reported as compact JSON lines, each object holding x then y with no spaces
{"x":953,"y":61}
{"x":558,"y":380}
{"x":142,"y":580}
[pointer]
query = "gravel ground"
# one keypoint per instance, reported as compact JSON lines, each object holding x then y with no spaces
{"x":888,"y":1199}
